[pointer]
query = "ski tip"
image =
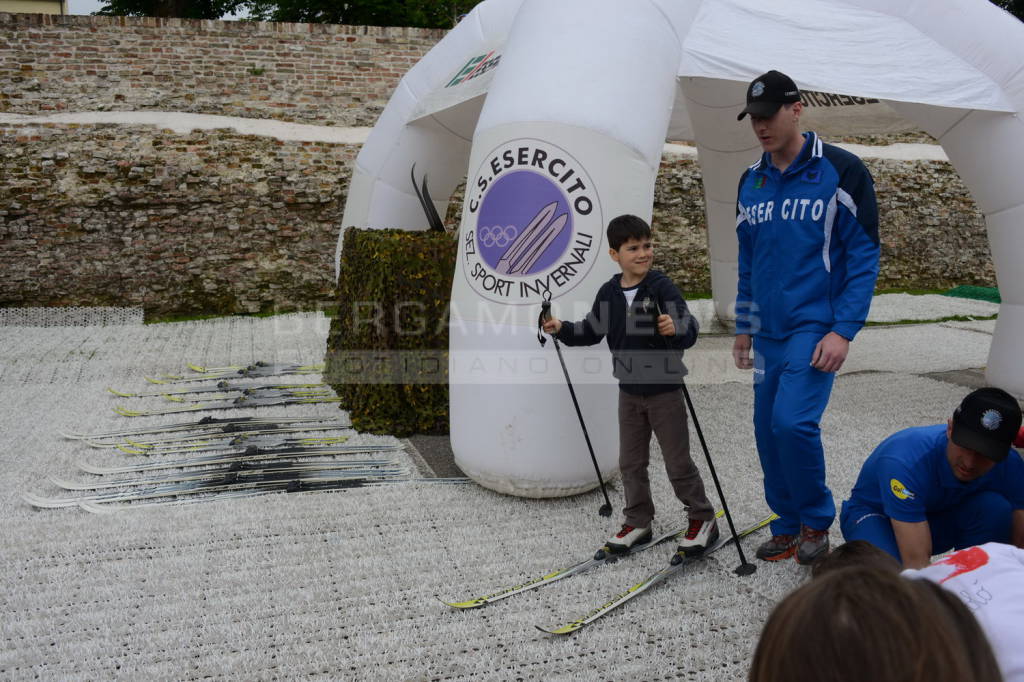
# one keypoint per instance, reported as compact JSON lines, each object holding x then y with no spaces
{"x":173,"y":399}
{"x":98,"y":508}
{"x":564,"y":630}
{"x":154,"y":380}
{"x":471,"y":604}
{"x":124,"y":412}
{"x":63,"y":483}
{"x":95,"y":443}
{"x":130,"y":451}
{"x":197,"y":368}
{"x":42,"y":502}
{"x":90,"y":469}
{"x":120,"y":394}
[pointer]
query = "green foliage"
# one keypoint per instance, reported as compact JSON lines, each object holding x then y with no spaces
{"x":420,"y":13}
{"x":1014,"y":7}
{"x":387,"y":352}
{"x":182,"y":9}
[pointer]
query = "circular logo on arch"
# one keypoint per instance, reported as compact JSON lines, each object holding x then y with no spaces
{"x":535,"y":220}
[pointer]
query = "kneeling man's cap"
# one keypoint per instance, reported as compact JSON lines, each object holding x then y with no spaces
{"x":987,"y":421}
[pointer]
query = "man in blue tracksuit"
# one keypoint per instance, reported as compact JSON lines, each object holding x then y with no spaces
{"x":929,"y":489}
{"x":807,"y":225}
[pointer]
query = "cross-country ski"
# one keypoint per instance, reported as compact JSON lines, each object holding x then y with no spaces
{"x":206,"y":424}
{"x":678,"y":562}
{"x":602,"y":556}
{"x":287,"y":481}
{"x":230,"y":404}
{"x":246,"y":455}
{"x":220,"y":387}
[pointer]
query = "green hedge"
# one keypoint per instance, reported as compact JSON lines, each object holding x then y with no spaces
{"x":387,"y":353}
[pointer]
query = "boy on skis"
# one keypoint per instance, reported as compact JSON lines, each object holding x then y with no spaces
{"x":647,"y":325}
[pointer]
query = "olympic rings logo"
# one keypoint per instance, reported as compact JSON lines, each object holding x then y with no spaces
{"x":497,"y":235}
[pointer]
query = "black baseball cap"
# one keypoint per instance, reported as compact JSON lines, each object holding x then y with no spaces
{"x":987,"y":421}
{"x":767,"y":93}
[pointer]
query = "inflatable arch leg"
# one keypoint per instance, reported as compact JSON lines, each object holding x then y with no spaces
{"x":381,"y":193}
{"x":550,"y":165}
{"x":986,"y":149}
{"x":725,"y":149}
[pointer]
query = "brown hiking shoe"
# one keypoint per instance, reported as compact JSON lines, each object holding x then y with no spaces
{"x":779,"y":547}
{"x":812,"y":545}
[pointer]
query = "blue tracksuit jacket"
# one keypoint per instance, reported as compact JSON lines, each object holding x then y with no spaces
{"x":808,"y":244}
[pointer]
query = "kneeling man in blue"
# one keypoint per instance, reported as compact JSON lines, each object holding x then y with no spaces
{"x":929,"y":489}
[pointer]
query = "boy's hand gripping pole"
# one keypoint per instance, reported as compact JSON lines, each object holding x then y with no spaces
{"x":545,"y":315}
{"x":745,"y":567}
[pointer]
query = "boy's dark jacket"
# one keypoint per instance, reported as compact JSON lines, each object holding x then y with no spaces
{"x":640,"y":360}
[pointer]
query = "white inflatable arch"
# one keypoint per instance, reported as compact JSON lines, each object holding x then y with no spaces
{"x":556,"y":113}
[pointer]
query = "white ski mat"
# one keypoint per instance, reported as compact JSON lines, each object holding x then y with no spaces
{"x":70,"y":317}
{"x":885,"y":308}
{"x":343,"y":585}
{"x":54,"y":380}
{"x":912,"y":349}
{"x":121,"y":356}
{"x":911,"y":307}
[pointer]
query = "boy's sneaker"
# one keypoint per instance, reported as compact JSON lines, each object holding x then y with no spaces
{"x":779,"y":547}
{"x":627,"y":537}
{"x":699,"y":536}
{"x":811,"y":545}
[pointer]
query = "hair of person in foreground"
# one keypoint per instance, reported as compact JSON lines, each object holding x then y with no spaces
{"x":855,"y":553}
{"x":862,"y":624}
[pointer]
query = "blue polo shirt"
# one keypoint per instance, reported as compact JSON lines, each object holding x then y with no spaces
{"x":908,"y":477}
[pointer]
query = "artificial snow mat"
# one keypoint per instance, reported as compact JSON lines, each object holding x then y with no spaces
{"x":345,"y":585}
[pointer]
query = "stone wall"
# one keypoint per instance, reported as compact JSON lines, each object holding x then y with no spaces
{"x":933,"y":235}
{"x":309,"y":73}
{"x":209,"y":222}
{"x":219,"y":222}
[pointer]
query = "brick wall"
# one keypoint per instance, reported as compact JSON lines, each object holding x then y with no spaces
{"x":309,"y":73}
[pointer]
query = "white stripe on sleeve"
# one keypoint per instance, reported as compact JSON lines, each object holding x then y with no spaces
{"x":830,"y":219}
{"x":846,"y":200}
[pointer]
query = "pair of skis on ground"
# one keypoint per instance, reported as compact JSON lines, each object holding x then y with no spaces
{"x":252,"y":395}
{"x":678,"y":562}
{"x":255,"y":370}
{"x":210,"y":428}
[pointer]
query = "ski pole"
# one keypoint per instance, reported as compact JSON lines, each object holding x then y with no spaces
{"x":545,"y":314}
{"x":745,"y":567}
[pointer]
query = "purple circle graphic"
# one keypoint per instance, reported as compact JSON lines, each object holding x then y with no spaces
{"x":524,"y":225}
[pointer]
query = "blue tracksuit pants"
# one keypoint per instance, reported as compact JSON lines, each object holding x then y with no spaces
{"x":983,"y":517}
{"x":789,"y":398}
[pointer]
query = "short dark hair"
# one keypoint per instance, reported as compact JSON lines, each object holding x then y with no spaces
{"x":861,"y":624}
{"x":626,"y":227}
{"x":855,"y":553}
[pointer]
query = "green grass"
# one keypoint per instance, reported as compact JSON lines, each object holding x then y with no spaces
{"x":912,"y":292}
{"x":963,"y":291}
{"x":936,"y":320}
{"x":990,"y":294}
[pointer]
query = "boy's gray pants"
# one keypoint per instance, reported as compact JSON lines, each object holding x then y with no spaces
{"x":665,"y":414}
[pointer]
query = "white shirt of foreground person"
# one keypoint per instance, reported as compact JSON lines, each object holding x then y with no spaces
{"x":989,"y":579}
